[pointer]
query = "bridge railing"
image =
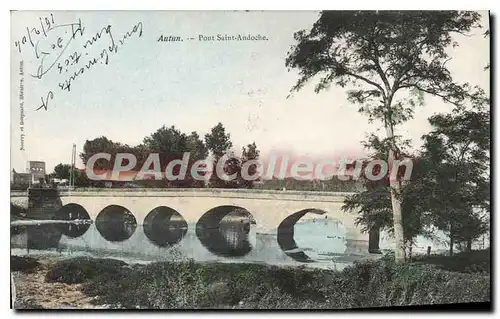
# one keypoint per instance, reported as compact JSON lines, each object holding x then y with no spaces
{"x":206,"y":190}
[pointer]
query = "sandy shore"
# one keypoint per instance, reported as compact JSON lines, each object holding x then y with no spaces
{"x":32,"y":292}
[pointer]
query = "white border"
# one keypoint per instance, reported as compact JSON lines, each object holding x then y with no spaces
{"x":183,"y":5}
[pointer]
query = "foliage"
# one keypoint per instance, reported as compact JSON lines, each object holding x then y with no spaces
{"x":219,"y":143}
{"x":171,"y":144}
{"x":99,"y":145}
{"x":62,"y":171}
{"x":449,"y":185}
{"x":386,"y":51}
{"x":186,"y":284}
{"x":373,"y":204}
{"x":332,"y":185}
{"x":81,"y":179}
{"x":476,"y":261}
{"x":388,"y":60}
{"x":81,"y":269}
{"x":457,"y":152}
{"x":24,"y":264}
{"x":249,"y":153}
{"x":167,"y":140}
{"x":196,"y":146}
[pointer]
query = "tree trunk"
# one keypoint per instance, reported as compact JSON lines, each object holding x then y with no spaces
{"x":469,"y":244}
{"x":397,"y":214}
{"x":373,"y":241}
{"x":451,"y":241}
{"x":451,"y":246}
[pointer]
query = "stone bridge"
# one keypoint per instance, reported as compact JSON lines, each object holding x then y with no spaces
{"x":271,"y":211}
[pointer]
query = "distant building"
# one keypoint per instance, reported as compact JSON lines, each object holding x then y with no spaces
{"x":36,"y":169}
{"x":20,"y":178}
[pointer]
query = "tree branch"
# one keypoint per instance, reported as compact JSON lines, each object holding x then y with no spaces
{"x":381,"y":73}
{"x":362,"y":78}
{"x":445,"y":98}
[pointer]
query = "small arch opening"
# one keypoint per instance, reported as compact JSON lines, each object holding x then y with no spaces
{"x":116,"y":223}
{"x":226,"y":230}
{"x":164,"y":226}
{"x":79,"y":217}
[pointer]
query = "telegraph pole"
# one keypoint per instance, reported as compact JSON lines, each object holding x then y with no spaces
{"x":73,"y":160}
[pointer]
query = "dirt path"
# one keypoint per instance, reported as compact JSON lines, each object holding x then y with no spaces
{"x":33,"y":292}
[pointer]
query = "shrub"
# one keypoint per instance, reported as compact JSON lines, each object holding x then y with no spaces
{"x":80,"y":269}
{"x":174,"y":285}
{"x":476,"y":261}
{"x":24,"y":264}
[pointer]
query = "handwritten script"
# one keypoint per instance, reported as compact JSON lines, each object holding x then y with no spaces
{"x":66,"y":50}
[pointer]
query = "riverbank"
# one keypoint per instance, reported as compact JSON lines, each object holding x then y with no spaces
{"x":105,"y":283}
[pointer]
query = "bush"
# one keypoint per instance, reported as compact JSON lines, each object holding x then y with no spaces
{"x":169,"y":285}
{"x":81,"y":269}
{"x":476,"y":261}
{"x":24,"y":264}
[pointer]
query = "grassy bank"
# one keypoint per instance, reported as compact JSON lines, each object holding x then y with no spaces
{"x":196,"y":285}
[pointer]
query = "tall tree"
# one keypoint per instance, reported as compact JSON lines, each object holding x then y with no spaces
{"x":389,"y":59}
{"x":249,"y":153}
{"x":168,"y":141}
{"x":458,"y":153}
{"x":100,"y":145}
{"x":198,"y":151}
{"x":62,"y":171}
{"x":81,"y":179}
{"x":196,"y":147}
{"x":373,"y":203}
{"x":219,"y":143}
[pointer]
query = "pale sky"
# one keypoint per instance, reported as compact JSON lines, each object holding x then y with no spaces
{"x":194,"y":85}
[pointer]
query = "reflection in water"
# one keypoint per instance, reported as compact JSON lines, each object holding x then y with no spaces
{"x":43,"y":236}
{"x":320,"y":237}
{"x":224,"y":231}
{"x":231,"y":239}
{"x":73,"y":212}
{"x":116,"y":223}
{"x":164,"y":226}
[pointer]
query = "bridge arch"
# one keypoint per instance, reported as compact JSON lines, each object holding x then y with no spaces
{"x":164,"y":226}
{"x":322,"y":234}
{"x":115,"y":223}
{"x":268,"y":207}
{"x":286,"y":239}
{"x":224,"y":230}
{"x":74,"y":212}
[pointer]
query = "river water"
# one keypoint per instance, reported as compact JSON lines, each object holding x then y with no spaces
{"x":221,"y":236}
{"x":316,"y":243}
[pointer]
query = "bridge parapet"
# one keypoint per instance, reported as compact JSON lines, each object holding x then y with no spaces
{"x":315,"y":196}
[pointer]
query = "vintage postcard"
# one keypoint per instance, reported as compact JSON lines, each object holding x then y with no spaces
{"x":250,"y":159}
